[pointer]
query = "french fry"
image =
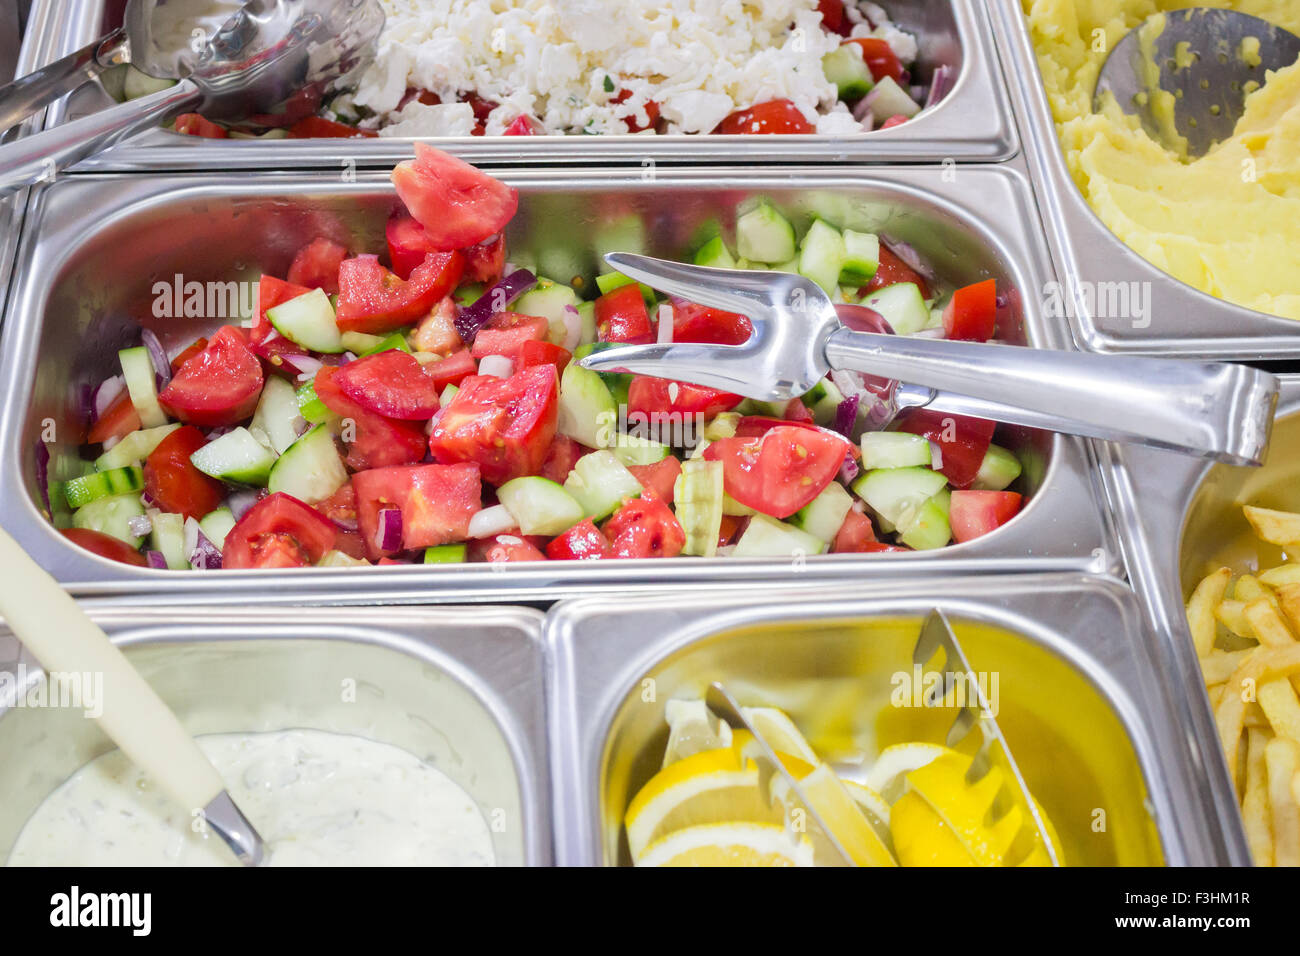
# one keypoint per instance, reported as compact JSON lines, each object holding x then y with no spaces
{"x":1249,"y":589}
{"x":1288,"y":598}
{"x":1201,"y":606}
{"x":1282,"y":759}
{"x":1255,"y":717}
{"x":1264,"y":664}
{"x":1218,"y":666}
{"x":1255,"y":812}
{"x":1278,"y":699}
{"x":1281,"y":576}
{"x":1215,"y":694}
{"x":1232,"y":615}
{"x":1269,"y":627}
{"x":1276,"y":527}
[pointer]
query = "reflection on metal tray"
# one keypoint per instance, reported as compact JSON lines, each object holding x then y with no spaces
{"x":1079,"y":699}
{"x":1181,"y":320}
{"x":1181,"y":519}
{"x":95,"y":248}
{"x":973,"y":123}
{"x":460,"y":688}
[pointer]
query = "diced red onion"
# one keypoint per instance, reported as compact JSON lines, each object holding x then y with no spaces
{"x":665,"y":324}
{"x":162,"y":366}
{"x":572,"y":328}
{"x":107,"y":393}
{"x":147,"y":499}
{"x":846,"y":415}
{"x":203,"y":554}
{"x":241,"y":501}
{"x":155,"y":560}
{"x":496,"y":365}
{"x":110,"y":441}
{"x":474,"y":316}
{"x":43,"y":473}
{"x":301,"y":426}
{"x":302,"y":365}
{"x":348,"y":357}
{"x":139,"y":525}
{"x":917,"y":92}
{"x":849,"y":470}
{"x":936,"y":456}
{"x":215,"y":433}
{"x":492,"y":521}
{"x":389,"y":535}
{"x":345,"y":524}
{"x":909,"y":256}
{"x":940,"y":85}
{"x":862,"y":110}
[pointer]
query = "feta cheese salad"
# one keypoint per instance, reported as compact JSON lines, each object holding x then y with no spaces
{"x":423,"y":403}
{"x":604,"y":67}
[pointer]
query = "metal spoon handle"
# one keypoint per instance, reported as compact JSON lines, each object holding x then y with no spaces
{"x":39,"y":157}
{"x":1211,"y":410}
{"x":27,"y":94}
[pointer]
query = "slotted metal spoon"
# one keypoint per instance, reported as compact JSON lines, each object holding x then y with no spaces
{"x":1206,"y":409}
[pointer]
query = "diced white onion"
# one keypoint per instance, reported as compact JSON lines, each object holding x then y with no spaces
{"x":665,"y":323}
{"x":497,"y":365}
{"x":491,"y":522}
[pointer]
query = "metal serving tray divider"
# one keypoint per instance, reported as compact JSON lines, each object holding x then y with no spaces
{"x":975,"y":224}
{"x":1179,"y":518}
{"x":1182,"y":321}
{"x":462,"y":688}
{"x":614,"y":662}
{"x":973,"y":124}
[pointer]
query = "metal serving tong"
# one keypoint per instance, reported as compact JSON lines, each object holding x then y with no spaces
{"x":993,"y":753}
{"x":1206,"y":409}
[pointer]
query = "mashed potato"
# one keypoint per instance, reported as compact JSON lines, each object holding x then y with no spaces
{"x":1228,"y":223}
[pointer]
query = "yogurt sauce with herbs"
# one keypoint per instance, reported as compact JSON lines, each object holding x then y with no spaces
{"x":317,"y":798}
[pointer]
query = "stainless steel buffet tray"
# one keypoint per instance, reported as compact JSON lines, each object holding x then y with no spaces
{"x":1182,"y":519}
{"x":973,"y":123}
{"x":461,"y":688}
{"x":1183,"y":321}
{"x":1082,"y":703}
{"x":95,"y":246}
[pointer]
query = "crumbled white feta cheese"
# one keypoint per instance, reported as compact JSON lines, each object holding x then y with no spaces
{"x":418,"y":120}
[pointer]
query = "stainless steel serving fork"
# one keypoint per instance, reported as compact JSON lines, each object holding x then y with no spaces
{"x":1206,"y":409}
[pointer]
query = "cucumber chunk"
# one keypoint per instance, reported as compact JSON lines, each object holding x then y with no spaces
{"x":616,"y":382}
{"x":764,"y":235}
{"x":168,"y":539}
{"x":847,"y":69}
{"x":540,"y":505}
{"x":732,"y":507}
{"x":997,"y":471}
{"x":901,"y":305}
{"x":894,"y":450}
{"x":587,"y":411}
{"x":600,"y":483}
{"x":823,"y":516}
{"x":310,"y":406}
{"x":142,"y":385}
{"x":112,"y":516}
{"x":215,"y":525}
{"x":276,"y":419}
{"x":897,"y":494}
{"x":861,"y":258}
{"x":609,"y":281}
{"x":892,"y":100}
{"x":446,"y":554}
{"x":134,"y":447}
{"x":337,"y":559}
{"x":311,"y":469}
{"x":102,"y":484}
{"x":635,"y":450}
{"x":723,"y":425}
{"x":138,"y":83}
{"x":827,"y":408}
{"x":768,"y":538}
{"x":697,"y":500}
{"x":548,"y":299}
{"x":237,"y":457}
{"x":822,"y":256}
{"x":309,"y":321}
{"x":928,"y":528}
{"x":715,"y":255}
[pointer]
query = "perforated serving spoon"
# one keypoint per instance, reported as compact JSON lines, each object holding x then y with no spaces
{"x":1186,"y":73}
{"x":268,"y":65}
{"x":57,"y":631}
{"x":1206,"y":409}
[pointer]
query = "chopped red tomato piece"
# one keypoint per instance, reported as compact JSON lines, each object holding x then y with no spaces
{"x":392,"y":384}
{"x":621,"y":316}
{"x":752,"y":426}
{"x":507,"y":333}
{"x":374,"y":300}
{"x":504,"y":424}
{"x":698,"y":323}
{"x":436,"y":502}
{"x":192,"y":124}
{"x":437,"y":331}
{"x":278,"y":532}
{"x":973,"y":312}
{"x":976,"y":513}
{"x":582,"y":542}
{"x":373,"y":441}
{"x":781,"y":471}
{"x":731,"y":529}
{"x":174,"y":483}
{"x":855,"y":533}
{"x":832,"y":12}
{"x":633,"y":124}
{"x":270,"y":293}
{"x":645,"y":527}
{"x":504,"y":547}
{"x":893,"y":270}
{"x":880,"y":57}
{"x":652,"y":397}
{"x":524,"y":126}
{"x":119,"y":419}
{"x":774,"y":116}
{"x":452,"y":370}
{"x":897,"y":119}
{"x":659,"y":478}
{"x":485,"y":262}
{"x":219,"y":386}
{"x":105,"y":545}
{"x":316,"y":266}
{"x":561,"y":457}
{"x":457,"y":204}
{"x":191,"y":350}
{"x":544,"y":353}
{"x":318,"y":127}
{"x":962,"y":440}
{"x":798,"y":413}
{"x":408,"y":243}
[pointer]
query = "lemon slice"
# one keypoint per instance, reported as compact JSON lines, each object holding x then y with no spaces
{"x":921,"y":838}
{"x":692,"y":729}
{"x":729,"y":844}
{"x":713,"y":786}
{"x":886,"y":774}
{"x":776,"y":727}
{"x":831,"y":801}
{"x":873,"y":804}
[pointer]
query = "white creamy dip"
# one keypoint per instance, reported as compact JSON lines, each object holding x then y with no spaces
{"x":317,"y":798}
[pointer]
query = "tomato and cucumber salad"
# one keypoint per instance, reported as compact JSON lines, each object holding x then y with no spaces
{"x":425,"y":404}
